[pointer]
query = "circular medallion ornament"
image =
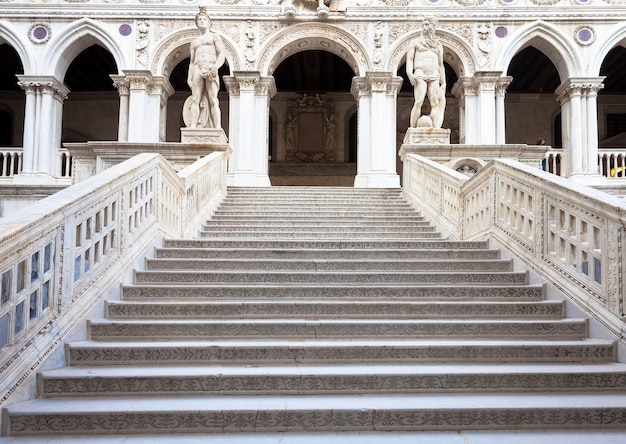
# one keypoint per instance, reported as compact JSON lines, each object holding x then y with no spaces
{"x":584,"y":35}
{"x":39,"y":33}
{"x":125,"y":30}
{"x":501,"y":32}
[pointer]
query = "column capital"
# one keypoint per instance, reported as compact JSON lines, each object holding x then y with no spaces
{"x":121,"y":83}
{"x":250,"y":81}
{"x":579,"y":85}
{"x":44,"y":84}
{"x":480,"y":81}
{"x":376,"y":82}
{"x":144,"y":80}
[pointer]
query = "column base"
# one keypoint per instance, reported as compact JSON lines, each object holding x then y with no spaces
{"x":377,"y":180}
{"x":251,"y":179}
{"x":427,"y":136}
{"x":203,"y":136}
{"x":35,"y":179}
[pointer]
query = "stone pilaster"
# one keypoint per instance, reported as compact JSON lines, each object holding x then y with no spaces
{"x":376,"y":94}
{"x":42,"y":128}
{"x":250,"y":95}
{"x":579,"y":100}
{"x":147,"y":105}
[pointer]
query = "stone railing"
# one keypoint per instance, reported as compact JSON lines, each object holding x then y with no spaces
{"x":11,"y":162}
{"x":612,"y":162}
{"x":61,"y":256}
{"x":573,"y":236}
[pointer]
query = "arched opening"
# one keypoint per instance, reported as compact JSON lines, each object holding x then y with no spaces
{"x":178,"y":81}
{"x":612,"y":114}
{"x":91,"y":111}
{"x":530,"y":103}
{"x":313,"y":108}
{"x":12,"y":99}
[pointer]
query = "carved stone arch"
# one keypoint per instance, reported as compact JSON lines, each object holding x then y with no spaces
{"x":75,"y":38}
{"x":10,"y":36}
{"x":456,"y":53}
{"x":314,"y":36}
{"x":611,"y":38}
{"x":175,"y":47}
{"x":551,"y":41}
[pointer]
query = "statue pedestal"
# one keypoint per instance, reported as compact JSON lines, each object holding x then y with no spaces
{"x":427,"y":136}
{"x":203,"y":136}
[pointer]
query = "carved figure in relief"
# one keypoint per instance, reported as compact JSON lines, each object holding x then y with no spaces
{"x":425,"y":70}
{"x":202,"y":109}
{"x":323,"y":7}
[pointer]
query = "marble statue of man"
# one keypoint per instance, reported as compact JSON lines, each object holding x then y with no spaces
{"x":425,"y":70}
{"x":207,"y":56}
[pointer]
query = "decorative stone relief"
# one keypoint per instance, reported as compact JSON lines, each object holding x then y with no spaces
{"x":250,"y":32}
{"x":143,"y":43}
{"x":310,"y":132}
{"x":483,"y":31}
{"x":584,"y":35}
{"x":379,"y":40}
{"x":321,"y":37}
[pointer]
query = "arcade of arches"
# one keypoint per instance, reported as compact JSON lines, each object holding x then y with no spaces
{"x":310,"y":100}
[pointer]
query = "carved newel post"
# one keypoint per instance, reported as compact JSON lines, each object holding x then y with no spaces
{"x":201,"y":111}
{"x":425,"y":71}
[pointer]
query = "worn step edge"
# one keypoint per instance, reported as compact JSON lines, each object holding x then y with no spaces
{"x":336,"y":329}
{"x":318,"y":380}
{"x":330,"y":309}
{"x":449,"y":292}
{"x":302,"y":264}
{"x":338,"y":352}
{"x":323,"y":413}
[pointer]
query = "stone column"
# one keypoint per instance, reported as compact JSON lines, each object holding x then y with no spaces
{"x":578,"y":99}
{"x":145,"y":105}
{"x":123,"y":88}
{"x":376,"y":94}
{"x":42,"y":128}
{"x":501,"y":85}
{"x":249,"y":115}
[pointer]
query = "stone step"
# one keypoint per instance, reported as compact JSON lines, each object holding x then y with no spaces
{"x":325,"y":254}
{"x":346,"y":277}
{"x":348,"y":220}
{"x":352,"y":309}
{"x":319,"y":292}
{"x":334,"y":244}
{"x":308,"y":223}
{"x":331,"y":265}
{"x":345,"y":413}
{"x":317,"y":234}
{"x":330,"y":228}
{"x":323,"y":214}
{"x":76,"y":382}
{"x":317,"y":352}
{"x":334,"y":329}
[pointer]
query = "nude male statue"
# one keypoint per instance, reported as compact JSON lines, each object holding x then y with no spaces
{"x":207,"y":56}
{"x":425,"y":70}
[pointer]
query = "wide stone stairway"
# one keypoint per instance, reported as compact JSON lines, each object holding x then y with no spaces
{"x":327,"y":310}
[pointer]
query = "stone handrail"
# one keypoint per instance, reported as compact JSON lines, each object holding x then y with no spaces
{"x":61,"y":256}
{"x":573,"y":236}
{"x":10,"y":161}
{"x":612,"y":163}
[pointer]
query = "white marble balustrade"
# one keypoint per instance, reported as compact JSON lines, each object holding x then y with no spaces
{"x":60,"y":256}
{"x":572,"y":235}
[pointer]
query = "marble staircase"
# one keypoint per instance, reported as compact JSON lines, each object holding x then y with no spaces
{"x":300,"y":310}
